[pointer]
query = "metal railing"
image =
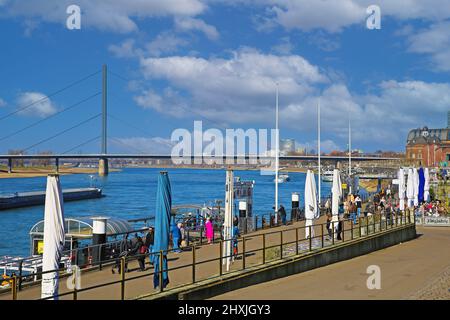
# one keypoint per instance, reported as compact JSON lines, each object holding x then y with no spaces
{"x":286,"y":246}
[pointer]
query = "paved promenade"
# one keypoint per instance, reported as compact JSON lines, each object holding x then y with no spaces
{"x":182,"y":276}
{"x":418,"y":269}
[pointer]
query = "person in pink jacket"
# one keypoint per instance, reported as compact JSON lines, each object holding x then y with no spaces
{"x":209,"y":230}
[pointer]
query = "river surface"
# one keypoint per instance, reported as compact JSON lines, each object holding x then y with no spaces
{"x":131,"y":193}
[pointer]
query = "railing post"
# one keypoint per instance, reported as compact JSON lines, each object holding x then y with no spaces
{"x":122,"y":283}
{"x":321,"y":227}
{"x":296,"y":241}
{"x":367,"y":223}
{"x":100,"y":256}
{"x":20,"y":274}
{"x":351,"y":225}
{"x":220,"y":255}
{"x":193,"y":264}
{"x":161,"y":267}
{"x":14,"y":287}
{"x":310,"y":238}
{"x":374,"y":218}
{"x":359,"y":226}
{"x":201,"y":235}
{"x":264,"y":248}
{"x":281,"y":244}
{"x":332,"y":232}
{"x":243,"y":253}
{"x":75,"y":293}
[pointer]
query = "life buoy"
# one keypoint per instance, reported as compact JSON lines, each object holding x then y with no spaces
{"x":6,"y":282}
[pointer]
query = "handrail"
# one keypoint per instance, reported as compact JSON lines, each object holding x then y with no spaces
{"x":366,"y":224}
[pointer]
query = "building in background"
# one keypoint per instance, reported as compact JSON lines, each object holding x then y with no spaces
{"x":287,"y":146}
{"x":429,"y":147}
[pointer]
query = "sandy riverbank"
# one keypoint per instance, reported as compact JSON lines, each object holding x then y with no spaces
{"x":31,"y":172}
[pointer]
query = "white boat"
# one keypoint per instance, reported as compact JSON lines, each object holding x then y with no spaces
{"x":327,"y":176}
{"x":283,"y":178}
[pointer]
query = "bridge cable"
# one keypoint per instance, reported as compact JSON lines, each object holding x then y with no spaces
{"x":127,"y":145}
{"x":62,"y":132}
{"x":81,"y":144}
{"x":49,"y":96}
{"x":49,"y":117}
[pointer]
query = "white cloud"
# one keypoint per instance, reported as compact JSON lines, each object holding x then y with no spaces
{"x":2,"y":103}
{"x":285,"y":46}
{"x":189,"y":24}
{"x":111,"y":15}
{"x":335,"y":15}
{"x":435,"y":41}
{"x":35,"y":104}
{"x":126,"y":49}
{"x":165,"y":42}
{"x":153,"y":145}
{"x":237,"y":89}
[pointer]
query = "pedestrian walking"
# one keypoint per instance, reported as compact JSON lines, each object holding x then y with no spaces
{"x":139,"y":250}
{"x":209,"y":230}
{"x":282,"y":213}
{"x":176,"y":236}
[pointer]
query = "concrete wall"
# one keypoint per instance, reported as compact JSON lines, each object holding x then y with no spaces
{"x":294,"y":265}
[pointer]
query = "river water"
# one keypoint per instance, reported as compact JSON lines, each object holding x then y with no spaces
{"x":131,"y":193}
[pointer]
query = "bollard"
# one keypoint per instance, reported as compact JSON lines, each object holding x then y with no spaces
{"x":343,"y":230}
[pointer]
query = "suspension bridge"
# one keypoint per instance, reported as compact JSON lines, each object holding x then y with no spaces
{"x":104,"y":115}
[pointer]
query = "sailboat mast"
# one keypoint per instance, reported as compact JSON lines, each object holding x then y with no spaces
{"x":318,"y":147}
{"x":277,"y":151}
{"x":350,"y":153}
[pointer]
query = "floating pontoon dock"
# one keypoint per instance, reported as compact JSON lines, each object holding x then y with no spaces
{"x":26,"y":199}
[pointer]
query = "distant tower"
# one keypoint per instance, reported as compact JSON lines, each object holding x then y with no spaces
{"x":448,"y":120}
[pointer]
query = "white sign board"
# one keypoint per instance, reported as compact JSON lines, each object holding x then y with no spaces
{"x":436,"y":221}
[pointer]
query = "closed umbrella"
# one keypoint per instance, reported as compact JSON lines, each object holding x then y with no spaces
{"x":336,"y":191}
{"x":311,"y":211}
{"x":162,"y":225}
{"x":426,"y":187}
{"x":410,"y":188}
{"x":54,"y":237}
{"x":401,"y":188}
{"x":228,"y":220}
{"x":421,"y":185}
{"x":416,"y":187}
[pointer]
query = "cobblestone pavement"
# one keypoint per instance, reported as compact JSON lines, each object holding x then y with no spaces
{"x":437,"y":288}
{"x":417,"y":269}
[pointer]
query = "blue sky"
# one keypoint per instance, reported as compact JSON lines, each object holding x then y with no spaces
{"x":177,"y":61}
